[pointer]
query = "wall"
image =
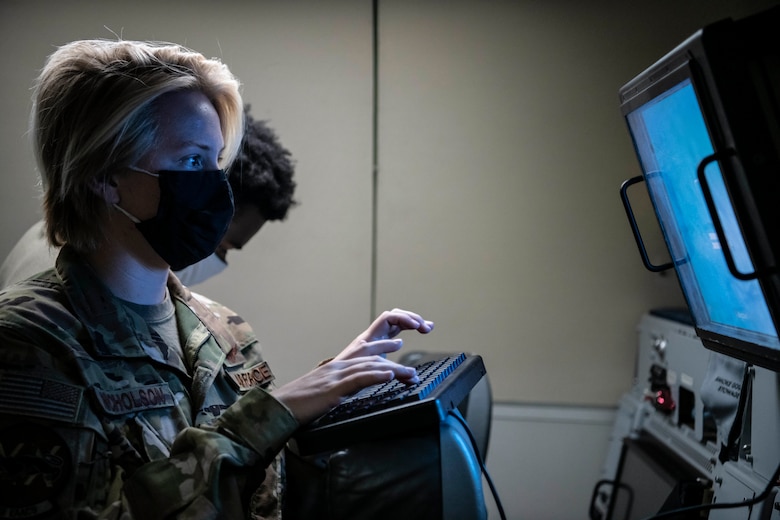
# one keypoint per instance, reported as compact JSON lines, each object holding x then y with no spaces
{"x":502,"y":149}
{"x":545,"y":460}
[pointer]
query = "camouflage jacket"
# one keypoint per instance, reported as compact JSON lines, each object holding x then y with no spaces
{"x":97,"y":420}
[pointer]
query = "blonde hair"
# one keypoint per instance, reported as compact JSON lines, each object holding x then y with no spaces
{"x":93,"y":112}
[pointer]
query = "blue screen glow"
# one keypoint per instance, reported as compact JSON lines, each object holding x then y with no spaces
{"x":672,"y":140}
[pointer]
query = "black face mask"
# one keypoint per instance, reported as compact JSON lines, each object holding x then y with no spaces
{"x":194,"y":213}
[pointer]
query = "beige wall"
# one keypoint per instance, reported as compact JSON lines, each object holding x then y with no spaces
{"x":501,"y":151}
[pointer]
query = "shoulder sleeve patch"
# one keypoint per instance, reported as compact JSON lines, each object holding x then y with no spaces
{"x":28,"y":394}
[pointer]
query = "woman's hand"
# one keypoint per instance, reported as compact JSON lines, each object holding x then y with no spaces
{"x":359,"y":365}
{"x":323,"y":388}
{"x":377,"y":339}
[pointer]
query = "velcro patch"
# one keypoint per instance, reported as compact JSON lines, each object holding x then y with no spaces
{"x":31,"y":395}
{"x":248,"y":378}
{"x":135,"y":399}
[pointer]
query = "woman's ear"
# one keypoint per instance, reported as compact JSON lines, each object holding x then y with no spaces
{"x":105,"y":188}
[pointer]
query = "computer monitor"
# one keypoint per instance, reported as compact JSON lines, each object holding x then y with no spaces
{"x":705,"y":123}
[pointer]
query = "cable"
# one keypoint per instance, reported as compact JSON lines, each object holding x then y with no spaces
{"x":482,"y":466}
{"x":725,"y":505}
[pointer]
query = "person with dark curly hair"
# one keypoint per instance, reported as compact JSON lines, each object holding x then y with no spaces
{"x":261,"y":178}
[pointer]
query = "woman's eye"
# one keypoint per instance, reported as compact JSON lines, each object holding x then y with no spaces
{"x":193,"y":162}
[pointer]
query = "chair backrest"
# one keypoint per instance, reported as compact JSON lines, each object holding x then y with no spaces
{"x":477,"y":408}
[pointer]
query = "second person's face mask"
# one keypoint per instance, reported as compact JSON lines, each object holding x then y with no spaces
{"x":194,"y":213}
{"x":201,"y":271}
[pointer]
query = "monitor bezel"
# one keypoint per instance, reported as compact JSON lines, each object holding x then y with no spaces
{"x":689,"y":61}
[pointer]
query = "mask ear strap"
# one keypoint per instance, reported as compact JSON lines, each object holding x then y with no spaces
{"x":128,"y":215}
{"x":132,"y":218}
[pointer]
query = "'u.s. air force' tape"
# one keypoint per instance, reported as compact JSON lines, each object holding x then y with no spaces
{"x":248,"y":378}
{"x":31,"y":395}
{"x":137,"y":398}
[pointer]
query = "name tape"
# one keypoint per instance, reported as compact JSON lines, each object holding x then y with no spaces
{"x":248,"y":378}
{"x":135,"y":399}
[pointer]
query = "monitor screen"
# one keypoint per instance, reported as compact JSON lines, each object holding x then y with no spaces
{"x":671,"y":138}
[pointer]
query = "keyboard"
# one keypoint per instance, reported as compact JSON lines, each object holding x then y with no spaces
{"x":394,"y":408}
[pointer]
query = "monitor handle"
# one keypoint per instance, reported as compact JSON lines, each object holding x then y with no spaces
{"x":635,"y":229}
{"x":705,"y":188}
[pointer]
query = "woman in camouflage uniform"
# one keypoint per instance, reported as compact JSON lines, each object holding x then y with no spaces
{"x":123,"y":394}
